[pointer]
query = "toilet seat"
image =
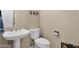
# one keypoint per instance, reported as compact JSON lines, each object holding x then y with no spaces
{"x":42,"y":41}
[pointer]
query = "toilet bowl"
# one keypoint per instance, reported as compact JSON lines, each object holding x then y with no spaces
{"x":42,"y":43}
{"x":39,"y":42}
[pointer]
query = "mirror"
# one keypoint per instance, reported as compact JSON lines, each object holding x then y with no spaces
{"x":7,"y":16}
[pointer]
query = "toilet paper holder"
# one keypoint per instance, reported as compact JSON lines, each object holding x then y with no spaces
{"x":56,"y":33}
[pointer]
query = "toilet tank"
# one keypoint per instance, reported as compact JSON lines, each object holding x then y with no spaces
{"x":35,"y":33}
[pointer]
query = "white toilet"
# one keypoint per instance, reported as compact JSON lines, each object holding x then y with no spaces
{"x":39,"y":42}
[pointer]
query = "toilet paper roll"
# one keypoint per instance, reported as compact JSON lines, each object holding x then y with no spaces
{"x":56,"y":34}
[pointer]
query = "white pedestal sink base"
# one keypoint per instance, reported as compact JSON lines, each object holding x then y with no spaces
{"x":16,"y":43}
{"x":16,"y":36}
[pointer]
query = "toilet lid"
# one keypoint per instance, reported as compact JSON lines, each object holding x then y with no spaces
{"x":42,"y":41}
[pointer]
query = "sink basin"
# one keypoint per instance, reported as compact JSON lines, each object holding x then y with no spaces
{"x":16,"y":36}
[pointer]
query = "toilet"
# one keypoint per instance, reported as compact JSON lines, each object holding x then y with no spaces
{"x":39,"y":41}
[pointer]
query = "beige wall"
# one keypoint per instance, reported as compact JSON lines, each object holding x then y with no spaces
{"x":64,"y":21}
{"x":20,"y":19}
{"x":24,"y":20}
{"x":78,"y":25}
{"x":48,"y":24}
{"x":69,"y":27}
{"x":25,"y":43}
{"x":33,"y":20}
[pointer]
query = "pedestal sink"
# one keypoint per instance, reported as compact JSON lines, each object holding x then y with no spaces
{"x":16,"y":36}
